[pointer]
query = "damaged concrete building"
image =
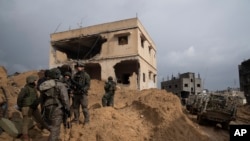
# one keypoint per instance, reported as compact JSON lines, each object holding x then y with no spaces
{"x":244,"y":76}
{"x":122,"y":49}
{"x":183,"y":85}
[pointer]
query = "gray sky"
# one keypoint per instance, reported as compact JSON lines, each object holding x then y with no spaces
{"x":210,"y":37}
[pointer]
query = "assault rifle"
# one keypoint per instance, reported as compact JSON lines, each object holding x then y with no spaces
{"x":66,"y":120}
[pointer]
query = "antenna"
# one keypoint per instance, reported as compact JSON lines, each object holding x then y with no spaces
{"x":57,"y":27}
{"x":80,"y":24}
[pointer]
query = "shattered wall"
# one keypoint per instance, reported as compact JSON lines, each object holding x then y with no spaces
{"x":122,"y":49}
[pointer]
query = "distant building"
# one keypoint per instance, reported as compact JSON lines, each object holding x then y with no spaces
{"x":244,"y":76}
{"x":121,"y":49}
{"x":183,"y":85}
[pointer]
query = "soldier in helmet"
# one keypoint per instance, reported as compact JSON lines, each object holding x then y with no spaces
{"x":28,"y":102}
{"x":108,"y":97}
{"x":67,"y":79}
{"x":54,"y":102}
{"x":81,"y":85}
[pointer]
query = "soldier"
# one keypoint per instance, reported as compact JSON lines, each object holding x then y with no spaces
{"x":67,"y":80}
{"x":55,"y":102}
{"x":109,"y":87}
{"x":42,"y":79}
{"x":28,"y":102}
{"x":81,"y":85}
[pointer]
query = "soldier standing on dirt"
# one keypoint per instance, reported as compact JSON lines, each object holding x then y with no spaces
{"x":55,"y":102}
{"x":109,"y":87}
{"x":67,"y":80}
{"x":81,"y":85}
{"x":28,"y":101}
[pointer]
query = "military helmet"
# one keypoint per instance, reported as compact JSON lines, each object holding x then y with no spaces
{"x":54,"y":73}
{"x":67,"y":74}
{"x":46,"y":73}
{"x":31,"y":79}
{"x":80,"y":64}
{"x":110,"y":78}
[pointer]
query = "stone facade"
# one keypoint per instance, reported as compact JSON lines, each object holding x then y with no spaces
{"x":121,"y":49}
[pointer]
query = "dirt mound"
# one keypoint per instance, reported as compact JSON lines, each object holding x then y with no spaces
{"x":3,"y":75}
{"x":151,"y":114}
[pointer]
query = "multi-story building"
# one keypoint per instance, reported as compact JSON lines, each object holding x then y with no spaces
{"x":121,"y":49}
{"x":183,"y":85}
{"x":244,"y":76}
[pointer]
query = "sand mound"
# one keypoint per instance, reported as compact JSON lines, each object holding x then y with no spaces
{"x":151,"y":114}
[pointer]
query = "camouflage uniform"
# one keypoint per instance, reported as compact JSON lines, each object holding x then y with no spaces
{"x":67,"y":80}
{"x":54,"y":101}
{"x":28,"y":101}
{"x":81,"y":84}
{"x":108,"y":98}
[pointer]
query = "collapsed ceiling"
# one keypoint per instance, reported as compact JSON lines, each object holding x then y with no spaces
{"x":84,"y":47}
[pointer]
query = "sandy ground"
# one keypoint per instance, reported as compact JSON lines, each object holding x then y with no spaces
{"x":147,"y":115}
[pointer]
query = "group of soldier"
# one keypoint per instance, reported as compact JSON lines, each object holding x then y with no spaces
{"x":56,"y":90}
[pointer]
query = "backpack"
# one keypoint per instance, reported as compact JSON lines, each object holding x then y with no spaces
{"x":50,"y":92}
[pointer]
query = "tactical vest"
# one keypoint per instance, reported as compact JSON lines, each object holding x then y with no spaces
{"x":27,"y":96}
{"x":80,"y":77}
{"x":110,"y":86}
{"x":50,"y":92}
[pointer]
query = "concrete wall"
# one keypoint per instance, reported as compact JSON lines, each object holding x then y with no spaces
{"x":113,"y":53}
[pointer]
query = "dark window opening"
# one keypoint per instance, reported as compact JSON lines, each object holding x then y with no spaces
{"x":144,"y":79}
{"x":191,"y":80}
{"x":142,"y":43}
{"x":123,"y":72}
{"x":169,"y":86}
{"x":123,"y":40}
{"x":175,"y":86}
{"x":149,"y":50}
{"x":143,"y":39}
{"x":198,"y":85}
{"x":185,"y":85}
{"x":94,"y":70}
{"x":125,"y":78}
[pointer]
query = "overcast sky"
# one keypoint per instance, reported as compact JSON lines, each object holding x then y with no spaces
{"x":209,"y":37}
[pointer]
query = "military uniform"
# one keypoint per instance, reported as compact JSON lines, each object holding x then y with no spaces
{"x":81,"y":85}
{"x":54,"y":101}
{"x":67,"y":80}
{"x":109,"y":87}
{"x":28,"y":101}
